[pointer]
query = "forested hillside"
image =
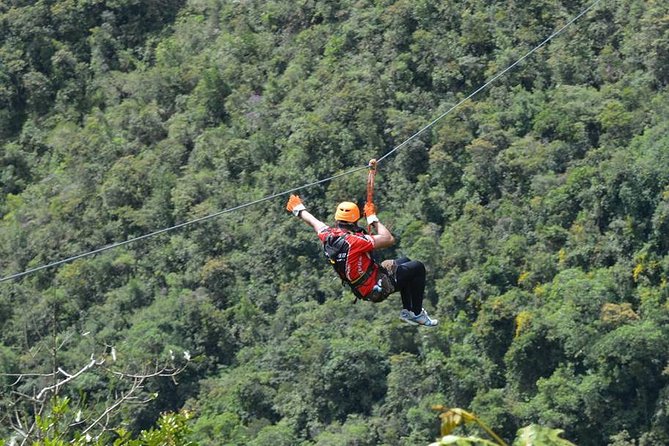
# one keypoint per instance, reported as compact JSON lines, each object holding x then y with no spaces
{"x":540,"y":208}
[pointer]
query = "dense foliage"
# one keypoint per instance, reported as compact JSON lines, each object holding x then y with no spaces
{"x":541,"y":209}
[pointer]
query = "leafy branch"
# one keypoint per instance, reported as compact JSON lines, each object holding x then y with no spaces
{"x":532,"y":435}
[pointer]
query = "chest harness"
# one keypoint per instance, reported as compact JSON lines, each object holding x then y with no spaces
{"x":336,"y":250}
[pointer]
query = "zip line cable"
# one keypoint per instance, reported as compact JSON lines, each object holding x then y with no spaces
{"x":308,"y":185}
{"x":180,"y":225}
{"x":493,"y":79}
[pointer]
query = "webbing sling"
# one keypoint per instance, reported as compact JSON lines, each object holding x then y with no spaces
{"x":370,"y":186}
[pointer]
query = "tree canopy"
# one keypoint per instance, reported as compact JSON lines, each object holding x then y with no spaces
{"x":540,"y":208}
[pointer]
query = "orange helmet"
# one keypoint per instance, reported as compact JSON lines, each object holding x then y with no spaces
{"x":348,"y":212}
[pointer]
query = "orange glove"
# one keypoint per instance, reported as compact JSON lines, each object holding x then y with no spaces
{"x":370,"y":213}
{"x":295,"y":205}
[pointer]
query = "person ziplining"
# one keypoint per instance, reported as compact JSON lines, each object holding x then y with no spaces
{"x":72,"y":258}
{"x":349,"y":249}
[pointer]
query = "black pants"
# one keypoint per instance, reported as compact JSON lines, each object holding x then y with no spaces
{"x":411,"y":283}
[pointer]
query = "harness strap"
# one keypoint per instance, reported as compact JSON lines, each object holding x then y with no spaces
{"x":333,"y":247}
{"x":370,"y":186}
{"x":360,"y":280}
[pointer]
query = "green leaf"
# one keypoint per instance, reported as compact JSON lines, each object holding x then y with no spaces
{"x":463,"y":441}
{"x":534,"y":435}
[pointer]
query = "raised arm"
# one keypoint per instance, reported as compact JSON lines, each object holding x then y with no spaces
{"x":383,"y":237}
{"x":297,"y":208}
{"x":312,"y":221}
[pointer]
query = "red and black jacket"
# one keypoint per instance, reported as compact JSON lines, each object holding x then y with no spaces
{"x":350,"y":253}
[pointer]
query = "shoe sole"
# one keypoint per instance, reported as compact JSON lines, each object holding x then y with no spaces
{"x":414,"y":323}
{"x":409,"y":321}
{"x":430,"y":326}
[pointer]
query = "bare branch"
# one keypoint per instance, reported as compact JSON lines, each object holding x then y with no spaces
{"x":124,"y":397}
{"x":25,"y":425}
{"x":165,"y":371}
{"x":65,"y":339}
{"x":38,"y":412}
{"x":21,"y":375}
{"x":67,"y":375}
{"x":93,"y":362}
{"x":18,"y":426}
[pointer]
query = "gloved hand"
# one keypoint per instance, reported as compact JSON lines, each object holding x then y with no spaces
{"x":370,"y":213}
{"x":295,"y":205}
